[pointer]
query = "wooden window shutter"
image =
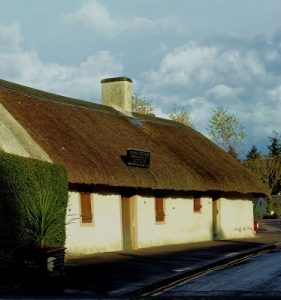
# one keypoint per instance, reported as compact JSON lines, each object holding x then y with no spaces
{"x":86,"y":208}
{"x":159,"y":209}
{"x":197,"y":204}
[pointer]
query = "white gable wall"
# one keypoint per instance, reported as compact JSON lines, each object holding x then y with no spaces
{"x":235,"y":218}
{"x":16,"y":140}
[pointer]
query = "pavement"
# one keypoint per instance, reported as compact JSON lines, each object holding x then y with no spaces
{"x":136,"y":272}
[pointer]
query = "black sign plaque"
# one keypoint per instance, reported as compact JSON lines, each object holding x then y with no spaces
{"x":138,"y":158}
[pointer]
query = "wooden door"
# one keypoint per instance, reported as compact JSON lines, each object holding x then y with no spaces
{"x":215,"y":217}
{"x":128,"y":223}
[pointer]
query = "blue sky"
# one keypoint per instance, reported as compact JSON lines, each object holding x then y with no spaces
{"x":196,"y":54}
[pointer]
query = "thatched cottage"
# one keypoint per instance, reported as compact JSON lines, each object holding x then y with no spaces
{"x":134,"y":180}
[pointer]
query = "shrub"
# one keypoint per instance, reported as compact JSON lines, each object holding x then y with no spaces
{"x":273,"y":216}
{"x":33,"y":200}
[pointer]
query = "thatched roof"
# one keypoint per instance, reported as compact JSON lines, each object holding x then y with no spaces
{"x":90,"y":139}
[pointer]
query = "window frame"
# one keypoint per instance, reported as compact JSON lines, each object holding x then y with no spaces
{"x":159,"y":206}
{"x":86,"y":210}
{"x":197,"y":204}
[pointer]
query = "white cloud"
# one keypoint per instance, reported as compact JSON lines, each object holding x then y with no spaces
{"x":200,"y":67}
{"x":81,"y":81}
{"x":200,"y":109}
{"x":263,"y":119}
{"x":275,"y":94}
{"x":186,"y":64}
{"x":208,"y":66}
{"x":222,"y":92}
{"x":201,"y":76}
{"x":97,"y":17}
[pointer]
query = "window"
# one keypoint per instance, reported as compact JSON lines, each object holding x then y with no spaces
{"x":197,"y":204}
{"x":86,"y":208}
{"x":159,"y":210}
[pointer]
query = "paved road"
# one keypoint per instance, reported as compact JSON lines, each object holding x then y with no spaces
{"x":121,"y":273}
{"x":116,"y":274}
{"x":256,"y":277}
{"x":135,"y":272}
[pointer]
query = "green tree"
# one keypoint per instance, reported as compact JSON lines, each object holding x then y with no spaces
{"x":274,"y":148}
{"x":224,"y":128}
{"x":269,"y":206}
{"x":181,"y":116}
{"x":253,"y":153}
{"x":267,"y":169}
{"x":232,"y":151}
{"x":141,"y":105}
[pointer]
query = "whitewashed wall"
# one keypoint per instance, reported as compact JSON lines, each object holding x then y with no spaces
{"x":235,"y":218}
{"x":103,"y":235}
{"x":181,"y":224}
{"x":16,"y":140}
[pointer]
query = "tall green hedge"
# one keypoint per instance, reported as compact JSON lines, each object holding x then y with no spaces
{"x":22,"y":181}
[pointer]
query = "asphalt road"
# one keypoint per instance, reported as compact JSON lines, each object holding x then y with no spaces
{"x":116,"y":274}
{"x":129,"y":273}
{"x":256,"y":277}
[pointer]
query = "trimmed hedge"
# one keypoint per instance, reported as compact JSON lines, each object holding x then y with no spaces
{"x":22,"y":180}
{"x":273,"y":216}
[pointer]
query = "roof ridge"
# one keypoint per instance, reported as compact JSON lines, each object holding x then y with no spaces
{"x":47,"y":96}
{"x":57,"y":98}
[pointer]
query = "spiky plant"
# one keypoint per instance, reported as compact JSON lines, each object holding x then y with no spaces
{"x":43,"y":216}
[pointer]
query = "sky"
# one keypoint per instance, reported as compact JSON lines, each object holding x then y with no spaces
{"x":192,"y":54}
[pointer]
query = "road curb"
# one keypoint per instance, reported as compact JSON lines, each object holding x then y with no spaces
{"x":147,"y":290}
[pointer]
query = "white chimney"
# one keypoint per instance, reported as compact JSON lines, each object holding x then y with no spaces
{"x":116,"y":92}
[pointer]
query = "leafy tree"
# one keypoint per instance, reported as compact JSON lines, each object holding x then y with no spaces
{"x":224,"y":128}
{"x":232,"y":151}
{"x":253,"y":153}
{"x":274,"y":149}
{"x":267,"y":169}
{"x":269,"y":206}
{"x":181,"y":116}
{"x":141,"y":105}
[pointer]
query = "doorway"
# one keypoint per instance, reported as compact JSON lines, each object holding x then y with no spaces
{"x":129,"y":223}
{"x":215,"y":200}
